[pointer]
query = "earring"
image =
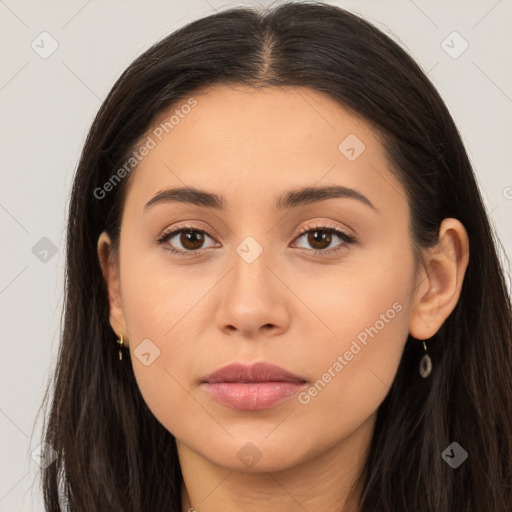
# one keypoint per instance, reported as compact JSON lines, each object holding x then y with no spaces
{"x":425,"y":364}
{"x":120,"y":341}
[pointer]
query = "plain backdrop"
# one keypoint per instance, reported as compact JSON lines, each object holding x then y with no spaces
{"x":48,"y":103}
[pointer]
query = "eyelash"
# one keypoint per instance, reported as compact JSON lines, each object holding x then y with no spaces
{"x":347,"y":239}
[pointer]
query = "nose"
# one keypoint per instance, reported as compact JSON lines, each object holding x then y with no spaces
{"x":253,"y":300}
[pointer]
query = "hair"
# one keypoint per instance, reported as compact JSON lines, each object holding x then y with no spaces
{"x":112,"y":453}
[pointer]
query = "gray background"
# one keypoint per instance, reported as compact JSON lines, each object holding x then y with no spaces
{"x":48,"y":105}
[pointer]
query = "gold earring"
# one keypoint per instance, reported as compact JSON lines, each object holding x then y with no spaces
{"x":120,"y":341}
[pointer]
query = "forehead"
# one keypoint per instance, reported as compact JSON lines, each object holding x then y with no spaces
{"x":254,"y":143}
{"x":279,"y":117}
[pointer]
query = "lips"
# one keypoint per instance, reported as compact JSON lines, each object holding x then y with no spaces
{"x":252,"y":387}
{"x":257,"y":372}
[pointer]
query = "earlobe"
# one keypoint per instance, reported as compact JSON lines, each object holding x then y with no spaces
{"x":440,"y":283}
{"x":110,"y":271}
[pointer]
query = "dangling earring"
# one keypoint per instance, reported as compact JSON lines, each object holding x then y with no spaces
{"x":425,"y":364}
{"x":120,"y":341}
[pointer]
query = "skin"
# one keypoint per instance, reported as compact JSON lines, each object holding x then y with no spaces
{"x":290,"y":306}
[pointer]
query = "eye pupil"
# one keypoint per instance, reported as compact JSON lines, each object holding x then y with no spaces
{"x":319,"y":236}
{"x":194,"y":237}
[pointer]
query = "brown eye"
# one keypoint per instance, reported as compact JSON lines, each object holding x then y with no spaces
{"x":320,"y":238}
{"x":191,"y":240}
{"x":185,"y":240}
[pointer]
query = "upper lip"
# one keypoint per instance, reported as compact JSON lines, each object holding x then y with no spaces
{"x":256,"y":372}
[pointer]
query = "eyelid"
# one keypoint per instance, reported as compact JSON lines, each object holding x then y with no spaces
{"x":320,"y":225}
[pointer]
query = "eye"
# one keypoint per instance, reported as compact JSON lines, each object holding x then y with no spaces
{"x":190,"y":239}
{"x":320,"y":237}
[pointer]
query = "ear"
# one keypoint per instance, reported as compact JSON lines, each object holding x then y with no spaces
{"x":110,"y":269}
{"x":440,"y":281}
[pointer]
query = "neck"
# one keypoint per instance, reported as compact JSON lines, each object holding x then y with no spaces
{"x":327,"y":482}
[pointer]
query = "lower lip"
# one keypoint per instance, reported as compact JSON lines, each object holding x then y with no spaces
{"x":252,"y":396}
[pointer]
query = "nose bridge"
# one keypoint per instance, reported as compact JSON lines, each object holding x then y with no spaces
{"x":251,"y":273}
{"x":254,"y":257}
{"x":251,"y":297}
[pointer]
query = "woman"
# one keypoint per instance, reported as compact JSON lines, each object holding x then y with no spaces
{"x":283,"y":291}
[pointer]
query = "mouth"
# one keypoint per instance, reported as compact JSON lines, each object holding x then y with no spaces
{"x":252,"y":387}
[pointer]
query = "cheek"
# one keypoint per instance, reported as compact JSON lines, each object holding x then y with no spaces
{"x":158,"y":296}
{"x":160,"y":320}
{"x":354,"y":364}
{"x":353,"y":373}
{"x":163,"y":355}
{"x":158,"y":305}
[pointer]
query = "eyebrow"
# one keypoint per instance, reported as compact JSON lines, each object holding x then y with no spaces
{"x":287,"y":200}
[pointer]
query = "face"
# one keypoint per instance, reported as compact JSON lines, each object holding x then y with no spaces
{"x":320,"y":285}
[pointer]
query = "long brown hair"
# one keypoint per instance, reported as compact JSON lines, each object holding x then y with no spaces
{"x":112,"y":452}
